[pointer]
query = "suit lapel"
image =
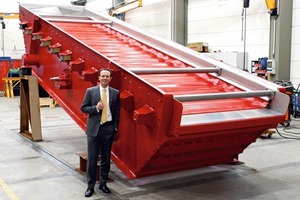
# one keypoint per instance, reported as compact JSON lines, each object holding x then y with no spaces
{"x":97,"y":93}
{"x":110,"y":96}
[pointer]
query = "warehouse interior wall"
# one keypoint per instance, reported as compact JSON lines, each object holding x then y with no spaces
{"x":217,"y":23}
{"x":12,"y":45}
{"x":154,"y":18}
{"x":295,"y":57}
{"x":11,"y":38}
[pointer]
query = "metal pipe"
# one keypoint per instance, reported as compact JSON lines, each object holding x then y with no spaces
{"x":175,"y":70}
{"x":78,"y":21}
{"x":228,"y":95}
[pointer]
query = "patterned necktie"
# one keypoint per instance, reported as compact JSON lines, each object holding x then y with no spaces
{"x":104,"y":110}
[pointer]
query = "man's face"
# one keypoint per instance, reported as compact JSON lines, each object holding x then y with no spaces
{"x":104,"y":78}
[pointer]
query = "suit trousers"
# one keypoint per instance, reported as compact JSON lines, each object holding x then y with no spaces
{"x":99,"y":145}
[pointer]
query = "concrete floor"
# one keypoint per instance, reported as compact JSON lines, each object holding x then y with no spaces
{"x":46,"y":170}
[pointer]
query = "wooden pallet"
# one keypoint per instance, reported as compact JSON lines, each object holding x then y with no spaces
{"x":47,"y":102}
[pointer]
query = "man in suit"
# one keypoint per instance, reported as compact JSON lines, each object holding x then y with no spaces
{"x":102,"y":125}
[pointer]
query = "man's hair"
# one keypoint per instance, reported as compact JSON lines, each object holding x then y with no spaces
{"x":105,"y":69}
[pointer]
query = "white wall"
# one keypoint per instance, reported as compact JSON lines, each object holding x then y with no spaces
{"x":13,"y":40}
{"x":13,"y":37}
{"x":155,"y":18}
{"x":217,"y":22}
{"x":10,"y":36}
{"x":98,"y":6}
{"x":295,"y":56}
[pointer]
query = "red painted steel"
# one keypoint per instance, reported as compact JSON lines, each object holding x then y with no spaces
{"x":153,"y":138}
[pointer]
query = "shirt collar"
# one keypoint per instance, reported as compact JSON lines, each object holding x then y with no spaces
{"x":101,"y":88}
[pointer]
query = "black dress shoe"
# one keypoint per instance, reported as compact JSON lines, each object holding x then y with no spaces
{"x":89,"y":192}
{"x":104,"y":188}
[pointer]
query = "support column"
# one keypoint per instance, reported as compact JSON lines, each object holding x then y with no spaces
{"x":280,"y":39}
{"x":179,"y":21}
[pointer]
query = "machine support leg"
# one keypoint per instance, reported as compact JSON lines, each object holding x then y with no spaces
{"x":30,"y":116}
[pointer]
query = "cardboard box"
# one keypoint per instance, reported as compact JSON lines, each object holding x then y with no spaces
{"x":198,"y":46}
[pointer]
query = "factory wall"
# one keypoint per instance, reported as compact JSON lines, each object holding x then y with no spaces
{"x":295,"y":56}
{"x":155,"y":18}
{"x":11,"y":38}
{"x":13,"y":45}
{"x":218,"y":23}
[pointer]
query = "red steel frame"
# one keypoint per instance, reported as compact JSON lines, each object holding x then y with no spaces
{"x":158,"y":132}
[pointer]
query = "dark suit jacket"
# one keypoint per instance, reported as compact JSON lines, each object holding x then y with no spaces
{"x":91,"y":98}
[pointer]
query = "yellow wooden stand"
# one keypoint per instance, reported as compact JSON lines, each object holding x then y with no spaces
{"x":30,"y":108}
{"x":10,"y":84}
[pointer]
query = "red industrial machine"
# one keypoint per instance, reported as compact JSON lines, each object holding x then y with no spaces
{"x":179,"y":109}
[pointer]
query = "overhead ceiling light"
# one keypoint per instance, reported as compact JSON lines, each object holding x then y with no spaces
{"x":127,"y":6}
